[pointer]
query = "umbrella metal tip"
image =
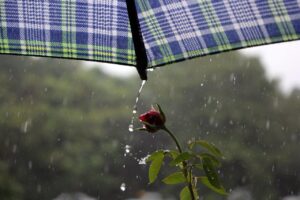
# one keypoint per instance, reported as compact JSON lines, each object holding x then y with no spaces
{"x":143,"y":74}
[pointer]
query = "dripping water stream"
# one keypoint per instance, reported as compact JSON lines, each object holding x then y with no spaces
{"x":134,"y":110}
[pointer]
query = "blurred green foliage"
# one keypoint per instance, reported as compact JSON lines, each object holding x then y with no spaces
{"x":63,"y":127}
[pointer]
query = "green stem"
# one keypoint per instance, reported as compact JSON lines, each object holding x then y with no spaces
{"x":193,"y":184}
{"x":174,"y":138}
{"x":185,"y":170}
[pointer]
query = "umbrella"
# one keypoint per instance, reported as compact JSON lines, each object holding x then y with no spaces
{"x":143,"y":33}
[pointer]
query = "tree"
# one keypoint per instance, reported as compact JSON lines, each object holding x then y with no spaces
{"x":63,"y":127}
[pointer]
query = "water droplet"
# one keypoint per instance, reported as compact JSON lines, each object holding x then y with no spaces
{"x":25,"y":126}
{"x":134,"y":111}
{"x":30,"y":165}
{"x":273,"y":168}
{"x":201,"y":84}
{"x":127,"y":149}
{"x":244,"y":179}
{"x":209,"y":100}
{"x":123,"y":187}
{"x":130,"y":127}
{"x":267,"y":124}
{"x":14,"y":149}
{"x":39,"y":188}
{"x":233,"y":78}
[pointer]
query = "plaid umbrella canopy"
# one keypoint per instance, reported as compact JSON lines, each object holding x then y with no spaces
{"x":143,"y":33}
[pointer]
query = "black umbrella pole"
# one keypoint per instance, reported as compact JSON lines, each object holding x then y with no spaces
{"x":139,"y":46}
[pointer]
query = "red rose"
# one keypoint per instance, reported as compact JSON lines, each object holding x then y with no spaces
{"x":153,"y":120}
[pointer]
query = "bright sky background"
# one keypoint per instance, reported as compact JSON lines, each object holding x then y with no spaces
{"x":281,"y":61}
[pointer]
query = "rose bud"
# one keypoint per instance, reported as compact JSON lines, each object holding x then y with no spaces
{"x":153,"y":120}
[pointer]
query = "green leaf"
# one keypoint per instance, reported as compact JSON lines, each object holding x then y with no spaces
{"x":154,"y":155}
{"x":185,"y":194}
{"x":181,"y":157}
{"x":174,"y":178}
{"x":204,"y":180}
{"x":172,"y":153}
{"x":210,"y":147}
{"x":161,"y":112}
{"x":213,"y":159}
{"x":140,"y":129}
{"x":210,"y":172}
{"x":148,"y":124}
{"x":155,"y":165}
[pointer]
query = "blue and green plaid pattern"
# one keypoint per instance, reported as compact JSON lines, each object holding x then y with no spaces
{"x":172,"y":30}
{"x":96,"y":30}
{"x":175,"y":30}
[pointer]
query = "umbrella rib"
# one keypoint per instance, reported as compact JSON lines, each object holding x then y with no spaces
{"x":139,"y":46}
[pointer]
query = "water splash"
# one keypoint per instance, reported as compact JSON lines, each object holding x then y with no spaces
{"x":123,"y":187}
{"x":134,"y":110}
{"x":142,"y":161}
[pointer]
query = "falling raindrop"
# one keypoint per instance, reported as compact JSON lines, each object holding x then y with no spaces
{"x":14,"y":149}
{"x":123,"y":187}
{"x":294,"y":137}
{"x":233,"y":78}
{"x":130,"y":128}
{"x":273,"y":168}
{"x":209,"y":100}
{"x":30,"y":165}
{"x":39,"y":188}
{"x":244,"y":179}
{"x":134,"y":111}
{"x":268,"y":124}
{"x":25,"y":126}
{"x":127,"y":148}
